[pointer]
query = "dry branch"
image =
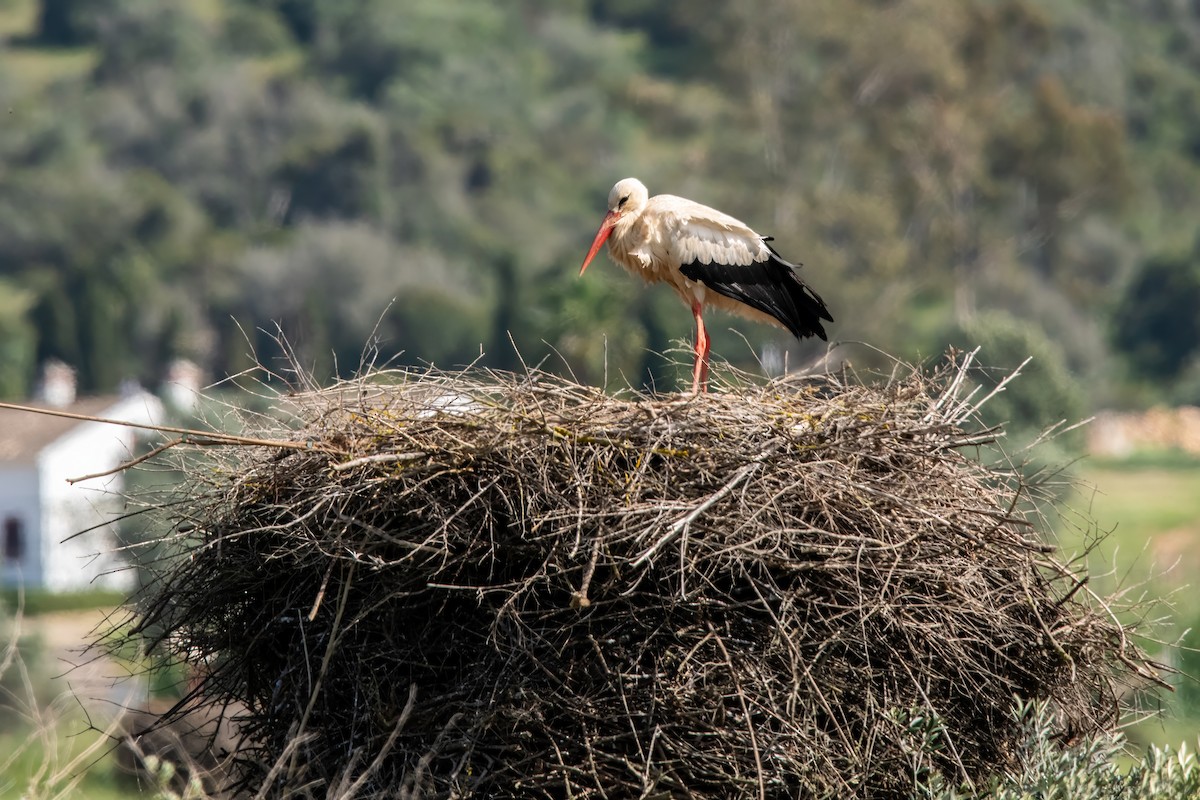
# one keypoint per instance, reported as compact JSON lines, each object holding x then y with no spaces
{"x":474,"y":585}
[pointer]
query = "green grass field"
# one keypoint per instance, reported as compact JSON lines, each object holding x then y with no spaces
{"x":1148,"y":507}
{"x":64,"y":762}
{"x":1150,"y":512}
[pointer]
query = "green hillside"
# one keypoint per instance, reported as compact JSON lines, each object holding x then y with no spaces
{"x":178,"y":177}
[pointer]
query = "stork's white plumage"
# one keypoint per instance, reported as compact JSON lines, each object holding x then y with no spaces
{"x":710,"y":259}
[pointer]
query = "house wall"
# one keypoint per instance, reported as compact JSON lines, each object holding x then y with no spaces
{"x":75,"y":558}
{"x":19,"y":499}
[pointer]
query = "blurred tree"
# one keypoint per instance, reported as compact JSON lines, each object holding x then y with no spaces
{"x":70,"y":23}
{"x":337,"y":287}
{"x":335,"y":169}
{"x":594,"y":333}
{"x":248,"y":29}
{"x":368,"y":45}
{"x":18,"y":341}
{"x":134,"y":36}
{"x":300,"y":16}
{"x":510,"y":320}
{"x":1065,"y":156}
{"x":1189,"y":667}
{"x":418,"y":324}
{"x":928,"y":160}
{"x":1045,"y":394}
{"x":53,"y":315}
{"x":1156,"y":323}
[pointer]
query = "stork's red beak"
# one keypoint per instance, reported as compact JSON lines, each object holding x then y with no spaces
{"x":606,"y":227}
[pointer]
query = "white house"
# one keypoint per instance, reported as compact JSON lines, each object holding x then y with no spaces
{"x":55,"y":535}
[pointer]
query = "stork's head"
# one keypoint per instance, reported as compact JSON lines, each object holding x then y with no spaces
{"x":627,"y":198}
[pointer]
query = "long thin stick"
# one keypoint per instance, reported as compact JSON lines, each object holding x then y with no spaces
{"x":737,"y":683}
{"x":682,"y":525}
{"x":224,"y":438}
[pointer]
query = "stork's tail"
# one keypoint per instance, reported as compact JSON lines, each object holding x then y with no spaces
{"x":770,"y":286}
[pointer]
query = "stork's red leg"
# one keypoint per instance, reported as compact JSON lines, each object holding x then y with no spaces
{"x":700,"y":367}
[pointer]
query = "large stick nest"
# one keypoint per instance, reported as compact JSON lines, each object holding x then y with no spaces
{"x":475,"y":585}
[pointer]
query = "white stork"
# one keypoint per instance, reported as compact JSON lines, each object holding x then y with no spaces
{"x":709,"y":259}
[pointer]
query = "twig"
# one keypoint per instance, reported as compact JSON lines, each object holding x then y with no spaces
{"x":157,"y":451}
{"x":387,"y":746}
{"x":737,"y":682}
{"x":681,"y":526}
{"x":378,"y":458}
{"x":580,"y":598}
{"x":186,"y":433}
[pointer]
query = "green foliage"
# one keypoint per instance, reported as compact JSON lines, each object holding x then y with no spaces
{"x":967,"y":156}
{"x":249,"y":30}
{"x":1090,"y":770}
{"x":60,"y":758}
{"x":1046,"y":394}
{"x":66,"y":23}
{"x":418,"y":322}
{"x":18,"y":339}
{"x":162,"y":774}
{"x":1156,"y":322}
{"x":334,"y":169}
{"x":137,"y":35}
{"x":1189,"y":665}
{"x":34,"y":603}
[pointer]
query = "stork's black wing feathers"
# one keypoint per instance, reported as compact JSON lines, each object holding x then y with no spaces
{"x":771,"y":286}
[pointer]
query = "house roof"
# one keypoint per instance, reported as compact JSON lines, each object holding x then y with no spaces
{"x":24,"y":434}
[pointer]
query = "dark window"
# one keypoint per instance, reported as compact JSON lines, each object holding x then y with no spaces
{"x":14,"y":539}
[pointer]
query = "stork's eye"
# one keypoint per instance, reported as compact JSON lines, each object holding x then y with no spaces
{"x":623,"y":201}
